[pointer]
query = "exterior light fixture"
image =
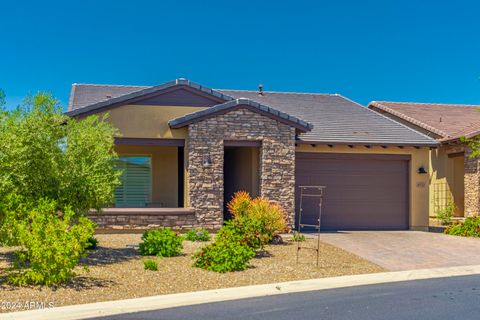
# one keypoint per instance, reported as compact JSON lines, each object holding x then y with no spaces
{"x":207,"y":160}
{"x":422,"y":170}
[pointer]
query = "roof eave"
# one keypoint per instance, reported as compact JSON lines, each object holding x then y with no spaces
{"x":368,"y":143}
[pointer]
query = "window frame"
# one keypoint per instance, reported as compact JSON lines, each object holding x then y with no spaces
{"x":139,"y":155}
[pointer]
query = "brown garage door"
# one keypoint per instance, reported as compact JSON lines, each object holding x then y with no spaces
{"x":363,"y":191}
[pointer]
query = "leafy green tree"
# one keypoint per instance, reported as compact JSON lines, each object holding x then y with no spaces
{"x":473,"y":144}
{"x":53,"y":170}
{"x":45,"y":154}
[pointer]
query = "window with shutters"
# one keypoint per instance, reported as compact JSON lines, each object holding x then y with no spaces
{"x":135,"y":190}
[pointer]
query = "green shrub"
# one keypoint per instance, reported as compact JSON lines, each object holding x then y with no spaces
{"x":298,"y":237}
{"x":445,"y":215}
{"x":150,"y":265}
{"x":469,"y":228}
{"x":161,"y":242}
{"x":51,"y":242}
{"x":235,"y":245}
{"x":92,"y":243}
{"x":223,"y":256}
{"x":197,"y":234}
{"x":244,"y":230}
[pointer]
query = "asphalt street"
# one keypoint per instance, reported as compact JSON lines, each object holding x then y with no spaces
{"x":443,"y":298}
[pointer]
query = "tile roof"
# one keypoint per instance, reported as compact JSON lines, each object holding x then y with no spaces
{"x":83,"y":95}
{"x":93,"y":97}
{"x":281,"y":116}
{"x":449,"y":121}
{"x":335,"y":119}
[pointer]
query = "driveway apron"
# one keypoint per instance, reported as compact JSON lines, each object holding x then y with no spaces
{"x":406,"y":250}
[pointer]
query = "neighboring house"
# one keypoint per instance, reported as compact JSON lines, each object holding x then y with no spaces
{"x":454,"y":175}
{"x":185,"y":149}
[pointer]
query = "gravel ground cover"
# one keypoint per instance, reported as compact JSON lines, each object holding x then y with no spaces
{"x":117,"y":272}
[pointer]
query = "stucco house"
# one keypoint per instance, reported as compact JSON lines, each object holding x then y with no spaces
{"x":185,"y":149}
{"x":454,"y":176}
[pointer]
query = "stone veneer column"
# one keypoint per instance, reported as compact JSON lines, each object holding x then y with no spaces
{"x":277,"y":161}
{"x":471,"y":185}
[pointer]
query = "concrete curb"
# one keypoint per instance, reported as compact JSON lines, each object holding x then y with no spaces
{"x":109,"y":308}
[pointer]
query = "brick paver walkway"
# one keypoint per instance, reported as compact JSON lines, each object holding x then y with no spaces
{"x":406,"y":250}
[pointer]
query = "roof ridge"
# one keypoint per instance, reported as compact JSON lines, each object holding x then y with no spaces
{"x":237,"y":90}
{"x":430,"y":103}
{"x":403,"y":116}
{"x":289,"y":92}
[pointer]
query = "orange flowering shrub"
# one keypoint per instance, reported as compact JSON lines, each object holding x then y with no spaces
{"x":239,"y":204}
{"x":270,"y":216}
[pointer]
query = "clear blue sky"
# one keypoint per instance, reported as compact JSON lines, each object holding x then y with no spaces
{"x":426,"y":51}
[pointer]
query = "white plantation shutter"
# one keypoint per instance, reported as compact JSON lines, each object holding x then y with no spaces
{"x":136,"y":182}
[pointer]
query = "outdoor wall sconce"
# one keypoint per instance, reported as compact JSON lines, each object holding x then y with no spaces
{"x":207,"y":160}
{"x":422,"y":170}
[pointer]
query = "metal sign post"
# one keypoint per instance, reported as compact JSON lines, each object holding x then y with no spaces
{"x":315,"y":192}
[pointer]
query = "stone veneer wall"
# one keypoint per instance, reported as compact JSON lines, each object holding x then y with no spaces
{"x":471,"y":185}
{"x":277,"y":161}
{"x":142,"y":221}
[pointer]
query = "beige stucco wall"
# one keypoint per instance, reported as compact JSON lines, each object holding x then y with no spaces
{"x":142,"y":121}
{"x":419,"y":189}
{"x":442,"y":170}
{"x":449,"y":172}
{"x":164,"y":172}
{"x":139,"y":121}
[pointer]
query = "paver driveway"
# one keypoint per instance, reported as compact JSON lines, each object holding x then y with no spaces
{"x":406,"y":250}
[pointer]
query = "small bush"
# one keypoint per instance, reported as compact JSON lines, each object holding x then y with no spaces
{"x":223,"y":256}
{"x":469,"y":228}
{"x":255,"y":223}
{"x":197,"y":234}
{"x":161,"y":242}
{"x":445,"y":215}
{"x":239,"y":204}
{"x":298,"y":237}
{"x":51,"y":244}
{"x":150,"y":265}
{"x":269,"y":217}
{"x":92,"y":243}
{"x":245,"y":230}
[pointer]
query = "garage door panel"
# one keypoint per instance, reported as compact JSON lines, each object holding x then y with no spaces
{"x":363,"y":192}
{"x":353,"y":174}
{"x":362,"y":195}
{"x":372,"y":179}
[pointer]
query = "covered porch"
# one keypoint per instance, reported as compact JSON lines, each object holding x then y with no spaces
{"x":152,"y":190}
